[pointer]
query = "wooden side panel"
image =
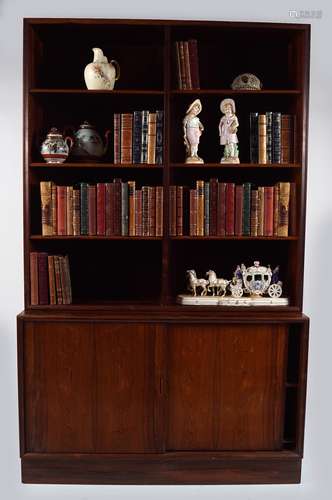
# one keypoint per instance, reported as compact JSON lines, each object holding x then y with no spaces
{"x":125,"y":385}
{"x":59,"y":388}
{"x":226,"y":387}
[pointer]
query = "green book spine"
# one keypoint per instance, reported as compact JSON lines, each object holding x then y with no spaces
{"x":246,"y":208}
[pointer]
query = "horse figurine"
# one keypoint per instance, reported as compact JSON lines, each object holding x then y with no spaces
{"x":217,"y":285}
{"x":194,"y":283}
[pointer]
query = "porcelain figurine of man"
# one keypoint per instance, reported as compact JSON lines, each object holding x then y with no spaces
{"x":192,"y":131}
{"x":228,"y":126}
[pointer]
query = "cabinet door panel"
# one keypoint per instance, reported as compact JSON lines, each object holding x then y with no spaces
{"x":226,"y":387}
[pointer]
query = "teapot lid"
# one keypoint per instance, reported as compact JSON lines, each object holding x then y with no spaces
{"x":54,"y":132}
{"x":86,"y":124}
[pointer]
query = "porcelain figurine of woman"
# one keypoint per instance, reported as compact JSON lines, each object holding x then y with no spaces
{"x":228,"y":126}
{"x":192,"y":131}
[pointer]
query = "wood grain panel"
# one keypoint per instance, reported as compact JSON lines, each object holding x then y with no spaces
{"x":59,"y":388}
{"x":225,"y":387}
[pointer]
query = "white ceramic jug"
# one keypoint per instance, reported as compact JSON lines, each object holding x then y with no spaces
{"x":101,"y":74}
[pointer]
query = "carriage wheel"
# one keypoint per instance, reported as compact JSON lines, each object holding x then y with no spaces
{"x":275,"y":291}
{"x":237,"y":292}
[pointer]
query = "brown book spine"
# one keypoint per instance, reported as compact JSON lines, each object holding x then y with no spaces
{"x":221,"y":209}
{"x":51,"y":279}
{"x":262,"y":138}
{"x":58,"y":279}
{"x":159,"y":210}
{"x":138,"y":212}
{"x":34,"y":294}
{"x":42,"y":278}
{"x":275,"y":209}
{"x":179,"y":210}
{"x":193,"y":212}
{"x":268,"y":210}
{"x":178,"y":64}
{"x":182,"y":65}
{"x":101,"y":209}
{"x":131,"y":207}
{"x":126,"y":138}
{"x":260,"y":229}
{"x":76,"y":213}
{"x":69,"y":210}
{"x":193,"y":56}
{"x":63,"y":280}
{"x":46,"y":212}
{"x":61,"y":210}
{"x":284,"y":193}
{"x":68,"y":279}
{"x":109,"y":209}
{"x":92,"y":210}
{"x":230,"y":206}
{"x":152,"y":134}
{"x":187,"y":65}
{"x":213,"y":206}
{"x":117,"y":138}
{"x":287,"y":134}
{"x":238,"y":210}
{"x":172,"y":211}
{"x":117,"y":207}
{"x":254,"y":213}
{"x":292,"y":210}
{"x":54,"y":209}
{"x":145,"y":211}
{"x":152,"y":211}
{"x":200,"y":207}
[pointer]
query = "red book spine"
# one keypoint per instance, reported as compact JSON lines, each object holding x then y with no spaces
{"x":230,"y":206}
{"x":193,"y":213}
{"x":187,"y":65}
{"x":152,"y":211}
{"x":34,"y":295}
{"x":238,"y":210}
{"x":145,"y":211}
{"x":108,"y":208}
{"x":117,"y":135}
{"x":172,"y":211}
{"x":43,"y":278}
{"x":179,"y":210}
{"x":193,"y":57}
{"x":92,"y":212}
{"x":221,"y":209}
{"x":268,"y":211}
{"x":213,"y":206}
{"x":61,"y":210}
{"x":117,"y":207}
{"x":182,"y":65}
{"x":138,"y":212}
{"x":101,"y":209}
{"x":159,"y":210}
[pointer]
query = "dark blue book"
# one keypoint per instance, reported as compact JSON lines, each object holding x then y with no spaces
{"x":246,"y":208}
{"x":124,"y":209}
{"x":159,"y":136}
{"x":268,"y":136}
{"x":144,"y":136}
{"x":137,"y":137}
{"x":276,"y":137}
{"x":206,"y":208}
{"x":254,"y":137}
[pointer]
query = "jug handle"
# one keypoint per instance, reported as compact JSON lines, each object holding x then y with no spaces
{"x":117,"y":69}
{"x":70,"y":140}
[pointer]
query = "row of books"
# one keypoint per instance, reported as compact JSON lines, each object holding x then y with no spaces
{"x":224,"y":209}
{"x":138,"y":137}
{"x":106,"y":209}
{"x":50,"y":281}
{"x":187,"y":64}
{"x":271,"y":137}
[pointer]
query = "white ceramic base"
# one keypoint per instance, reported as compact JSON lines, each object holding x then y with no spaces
{"x":189,"y":300}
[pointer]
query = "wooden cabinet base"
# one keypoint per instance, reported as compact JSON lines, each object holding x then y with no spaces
{"x":168,"y":468}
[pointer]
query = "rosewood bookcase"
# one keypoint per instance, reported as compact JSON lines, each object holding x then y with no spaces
{"x":124,"y":386}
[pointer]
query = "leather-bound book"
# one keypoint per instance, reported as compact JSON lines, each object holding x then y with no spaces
{"x":58,"y":279}
{"x":145,"y":211}
{"x":51,"y":279}
{"x":76,"y":212}
{"x":34,"y":295}
{"x":182,"y":65}
{"x":159,"y":210}
{"x":46,"y":212}
{"x":262,"y":138}
{"x":43,"y":279}
{"x":187,"y":65}
{"x":152,"y":131}
{"x":152,"y":211}
{"x":61,"y":210}
{"x":179,"y":210}
{"x":275,"y":209}
{"x":54,"y":209}
{"x":287,"y":138}
{"x":254,"y":213}
{"x":206,"y":208}
{"x":230,"y":209}
{"x":69,"y":210}
{"x":260,"y":228}
{"x":253,"y":137}
{"x":84,"y":208}
{"x":131,"y":207}
{"x":117,"y":138}
{"x":194,"y":66}
{"x":138,"y":212}
{"x":284,"y":194}
{"x":64,"y":286}
{"x":101,"y":209}
{"x":200,"y":207}
{"x":292,"y":210}
{"x":246,"y":229}
{"x":126,"y":138}
{"x":109,"y":219}
{"x":268,"y":115}
{"x":68,"y":279}
{"x":178,"y":64}
{"x":92,"y":210}
{"x":117,"y":207}
{"x":137,"y":137}
{"x":145,"y":136}
{"x":213,"y":206}
{"x":124,"y":209}
{"x":193,"y":212}
{"x":276,"y":137}
{"x":159,"y":136}
{"x":221,"y":209}
{"x":238,"y":210}
{"x":172,"y":211}
{"x":268,"y":210}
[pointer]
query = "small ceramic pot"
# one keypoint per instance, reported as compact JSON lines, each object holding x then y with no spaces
{"x":55,"y":148}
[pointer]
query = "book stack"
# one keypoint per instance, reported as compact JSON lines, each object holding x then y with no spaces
{"x":50,"y":281}
{"x":104,"y":209}
{"x":187,"y":64}
{"x":271,"y":137}
{"x":224,"y":209}
{"x":138,"y":137}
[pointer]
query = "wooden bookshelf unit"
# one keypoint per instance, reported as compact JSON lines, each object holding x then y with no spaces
{"x":124,"y":385}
